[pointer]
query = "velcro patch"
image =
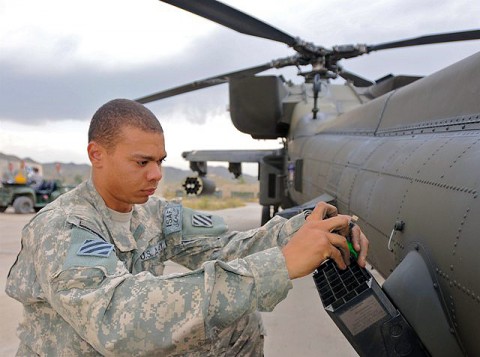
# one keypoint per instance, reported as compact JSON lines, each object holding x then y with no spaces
{"x":172,"y":219}
{"x":95,"y":248}
{"x":202,"y":220}
{"x":154,"y":251}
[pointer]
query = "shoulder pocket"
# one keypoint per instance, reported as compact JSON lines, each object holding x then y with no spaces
{"x":87,"y":249}
{"x":197,"y":223}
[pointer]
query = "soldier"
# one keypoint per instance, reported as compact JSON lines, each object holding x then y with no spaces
{"x":90,"y":271}
{"x":36,"y":179}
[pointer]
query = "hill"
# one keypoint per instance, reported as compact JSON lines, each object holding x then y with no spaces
{"x":173,"y":178}
{"x":75,"y":173}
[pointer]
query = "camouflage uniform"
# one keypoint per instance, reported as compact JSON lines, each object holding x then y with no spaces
{"x":91,"y":287}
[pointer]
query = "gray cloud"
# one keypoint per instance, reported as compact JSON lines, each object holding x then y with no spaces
{"x":67,"y":88}
{"x":78,"y":88}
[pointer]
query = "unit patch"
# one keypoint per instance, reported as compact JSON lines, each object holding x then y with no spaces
{"x":202,"y":220}
{"x":172,"y":219}
{"x":95,"y":248}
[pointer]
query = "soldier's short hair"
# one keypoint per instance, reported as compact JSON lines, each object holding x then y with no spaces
{"x":109,"y":120}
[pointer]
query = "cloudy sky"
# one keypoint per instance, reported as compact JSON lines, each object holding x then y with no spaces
{"x":60,"y":60}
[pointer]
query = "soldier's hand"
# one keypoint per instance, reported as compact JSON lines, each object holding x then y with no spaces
{"x":324,"y":210}
{"x":360,"y":244}
{"x":314,"y":242}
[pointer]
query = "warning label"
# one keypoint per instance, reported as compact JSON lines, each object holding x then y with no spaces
{"x":363,"y":315}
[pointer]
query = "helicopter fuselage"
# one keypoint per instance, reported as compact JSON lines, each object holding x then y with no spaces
{"x":408,"y":165}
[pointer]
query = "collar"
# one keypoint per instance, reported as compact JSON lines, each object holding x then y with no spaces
{"x":124,"y":239}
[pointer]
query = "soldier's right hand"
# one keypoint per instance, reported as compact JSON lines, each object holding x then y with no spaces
{"x":314,"y":242}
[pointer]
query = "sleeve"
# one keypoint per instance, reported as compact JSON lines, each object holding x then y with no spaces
{"x":199,"y":244}
{"x":118,"y":312}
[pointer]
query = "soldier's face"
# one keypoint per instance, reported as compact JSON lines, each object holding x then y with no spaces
{"x":130,"y":173}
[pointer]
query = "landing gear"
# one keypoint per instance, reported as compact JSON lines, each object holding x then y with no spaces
{"x":268,"y":212}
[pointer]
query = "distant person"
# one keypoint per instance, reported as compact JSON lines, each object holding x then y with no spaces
{"x":20,"y":177}
{"x":90,"y":271}
{"x":36,"y":179}
{"x":8,"y":177}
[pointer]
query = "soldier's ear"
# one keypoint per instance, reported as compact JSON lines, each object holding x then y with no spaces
{"x":96,"y":154}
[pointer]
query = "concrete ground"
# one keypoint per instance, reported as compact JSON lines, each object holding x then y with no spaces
{"x":299,"y":326}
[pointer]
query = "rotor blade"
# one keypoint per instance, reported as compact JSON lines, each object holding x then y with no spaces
{"x":233,"y":18}
{"x":356,"y":80}
{"x":204,"y":83}
{"x":429,"y":39}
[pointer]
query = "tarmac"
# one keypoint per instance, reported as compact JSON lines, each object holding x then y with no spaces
{"x":298,"y":326}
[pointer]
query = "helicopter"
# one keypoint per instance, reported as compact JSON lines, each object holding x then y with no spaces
{"x":401,"y":153}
